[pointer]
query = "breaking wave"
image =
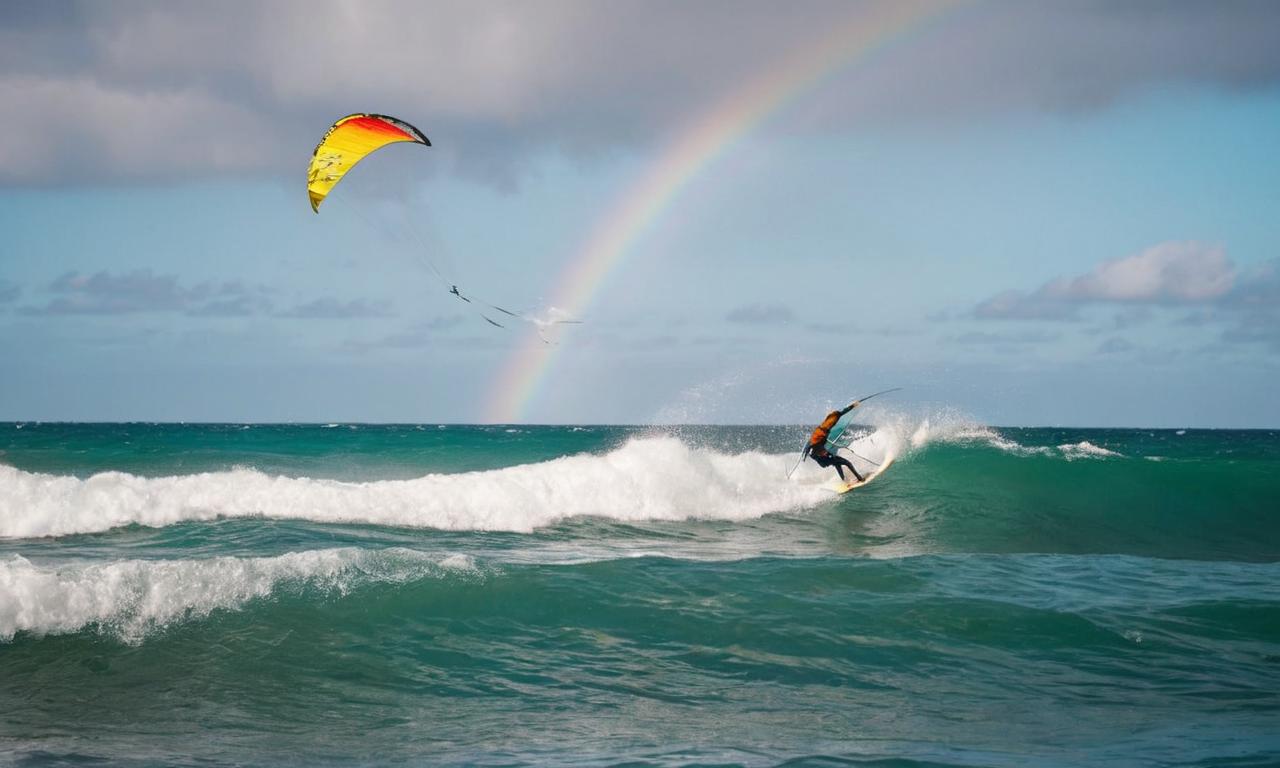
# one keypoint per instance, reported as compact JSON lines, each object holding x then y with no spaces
{"x":656,"y":478}
{"x":132,"y":598}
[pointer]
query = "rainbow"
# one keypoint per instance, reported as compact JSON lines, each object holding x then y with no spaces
{"x":685,"y":158}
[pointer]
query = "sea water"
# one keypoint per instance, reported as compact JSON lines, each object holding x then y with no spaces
{"x":515,"y":595}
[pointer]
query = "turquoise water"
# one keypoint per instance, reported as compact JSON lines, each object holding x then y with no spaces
{"x":442,"y":594}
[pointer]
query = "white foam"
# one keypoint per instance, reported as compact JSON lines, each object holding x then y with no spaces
{"x":654,"y":478}
{"x":131,"y":598}
{"x":1086,"y":450}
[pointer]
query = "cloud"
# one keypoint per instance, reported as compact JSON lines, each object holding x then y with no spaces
{"x":1016,"y":305}
{"x":1165,"y":274}
{"x":243,"y":305}
{"x":156,"y":90}
{"x":106,"y":294}
{"x":144,"y":291}
{"x":9,"y":292}
{"x":982,"y":337}
{"x":761,"y":314}
{"x":1115,"y":345}
{"x":1258,"y":288}
{"x":329,"y":308}
{"x":1255,"y":328}
{"x":1252,"y":309}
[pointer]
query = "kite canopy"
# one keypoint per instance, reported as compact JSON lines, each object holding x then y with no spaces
{"x":347,"y":142}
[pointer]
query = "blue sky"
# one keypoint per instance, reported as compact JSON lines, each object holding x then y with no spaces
{"x":1093,"y":246}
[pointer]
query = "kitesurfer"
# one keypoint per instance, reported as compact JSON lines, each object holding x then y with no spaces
{"x":817,"y":447}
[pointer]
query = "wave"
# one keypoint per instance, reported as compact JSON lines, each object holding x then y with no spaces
{"x":655,"y":478}
{"x":131,"y":598}
{"x":1086,"y":450}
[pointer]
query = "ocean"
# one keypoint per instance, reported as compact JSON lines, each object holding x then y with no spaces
{"x":247,"y":594}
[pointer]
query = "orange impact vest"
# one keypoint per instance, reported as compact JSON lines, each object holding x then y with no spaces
{"x":819,"y":437}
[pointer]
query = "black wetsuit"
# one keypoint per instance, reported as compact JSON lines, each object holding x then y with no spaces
{"x":839,"y":462}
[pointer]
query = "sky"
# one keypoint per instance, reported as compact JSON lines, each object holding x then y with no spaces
{"x":1024,"y":213}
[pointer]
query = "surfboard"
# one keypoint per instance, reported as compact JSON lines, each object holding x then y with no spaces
{"x":839,"y":487}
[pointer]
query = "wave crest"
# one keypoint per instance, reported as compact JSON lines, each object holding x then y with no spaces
{"x":132,"y":598}
{"x":656,"y":478}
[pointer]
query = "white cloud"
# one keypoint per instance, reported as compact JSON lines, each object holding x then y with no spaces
{"x":1168,"y":273}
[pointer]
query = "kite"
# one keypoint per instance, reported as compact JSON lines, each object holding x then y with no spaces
{"x":347,"y":142}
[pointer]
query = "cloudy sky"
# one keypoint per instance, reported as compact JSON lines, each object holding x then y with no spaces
{"x":1025,"y":212}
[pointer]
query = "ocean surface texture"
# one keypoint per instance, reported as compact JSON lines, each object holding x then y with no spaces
{"x":438,"y":594}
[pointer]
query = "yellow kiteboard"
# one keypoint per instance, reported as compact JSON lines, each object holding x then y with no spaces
{"x":839,"y":486}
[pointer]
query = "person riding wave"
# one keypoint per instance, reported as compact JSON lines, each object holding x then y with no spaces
{"x":817,"y":447}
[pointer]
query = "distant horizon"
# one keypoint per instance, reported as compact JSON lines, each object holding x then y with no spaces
{"x":24,"y":422}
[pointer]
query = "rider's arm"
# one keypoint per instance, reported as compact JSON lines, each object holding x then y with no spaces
{"x":850,"y":407}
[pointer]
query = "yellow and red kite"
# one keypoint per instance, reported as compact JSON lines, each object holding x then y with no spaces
{"x":347,"y":142}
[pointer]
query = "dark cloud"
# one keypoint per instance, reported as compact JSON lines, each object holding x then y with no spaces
{"x":1131,"y":318}
{"x":1198,"y":318}
{"x":1115,"y":346}
{"x":1124,"y":320}
{"x":761,"y":314}
{"x":1252,"y":310}
{"x":144,"y":291}
{"x":106,"y":294}
{"x":157,"y":90}
{"x":329,"y":308}
{"x":243,"y":305}
{"x":1165,"y":274}
{"x":1255,"y":328}
{"x":1016,"y":305}
{"x":9,"y":292}
{"x":1258,"y":288}
{"x":982,"y":337}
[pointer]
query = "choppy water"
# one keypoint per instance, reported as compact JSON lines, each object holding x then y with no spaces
{"x":265,"y":595}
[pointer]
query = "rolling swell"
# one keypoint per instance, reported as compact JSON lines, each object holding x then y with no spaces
{"x":617,"y":657}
